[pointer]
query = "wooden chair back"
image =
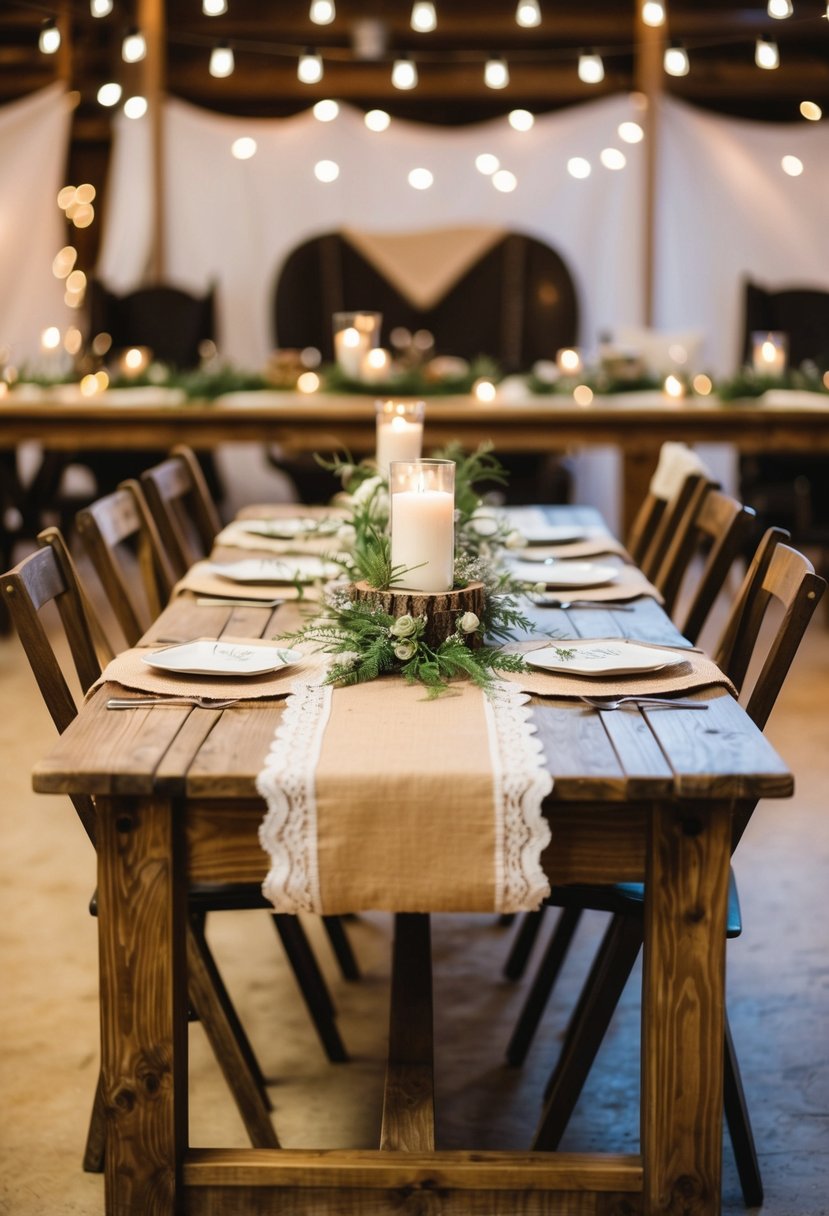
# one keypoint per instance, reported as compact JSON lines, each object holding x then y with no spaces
{"x":48,"y":576}
{"x":180,"y":503}
{"x":656,"y":522}
{"x":720,"y":528}
{"x":122,"y":540}
{"x":781,"y":577}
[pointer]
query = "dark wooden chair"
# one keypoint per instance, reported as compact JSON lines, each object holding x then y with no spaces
{"x":122,"y":541}
{"x":180,"y":502}
{"x":780,"y":577}
{"x":47,"y":576}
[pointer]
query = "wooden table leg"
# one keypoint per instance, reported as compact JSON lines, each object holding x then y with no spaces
{"x":683,"y":999}
{"x":408,"y":1100}
{"x":141,"y":921}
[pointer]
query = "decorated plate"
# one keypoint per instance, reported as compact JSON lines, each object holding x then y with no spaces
{"x":555,"y":573}
{"x":289,"y":529}
{"x":204,"y":657}
{"x":300,"y":569}
{"x":602,"y":658}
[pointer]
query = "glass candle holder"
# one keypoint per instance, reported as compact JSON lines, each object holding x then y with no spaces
{"x":422,"y":497}
{"x":355,"y":334}
{"x":376,"y":366}
{"x":399,"y":432}
{"x":769,"y":352}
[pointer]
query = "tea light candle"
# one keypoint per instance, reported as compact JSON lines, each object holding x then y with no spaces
{"x":376,"y":367}
{"x":769,"y":353}
{"x":423,"y":523}
{"x":134,"y":361}
{"x":569,"y":361}
{"x":355,"y":334}
{"x":399,"y":432}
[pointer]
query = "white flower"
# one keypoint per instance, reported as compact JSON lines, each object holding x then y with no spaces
{"x":403,"y":627}
{"x":346,"y":473}
{"x":366,"y":490}
{"x":484,"y":521}
{"x":346,"y":535}
{"x":539,"y":588}
{"x":515,"y":540}
{"x":405,"y":650}
{"x":468,"y":622}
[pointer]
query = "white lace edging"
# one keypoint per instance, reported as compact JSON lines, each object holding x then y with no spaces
{"x":287,"y":783}
{"x":520,"y":785}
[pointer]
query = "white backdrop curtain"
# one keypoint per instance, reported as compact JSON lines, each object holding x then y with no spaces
{"x":34,"y":135}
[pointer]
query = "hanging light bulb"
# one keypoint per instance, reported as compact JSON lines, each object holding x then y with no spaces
{"x":591,"y":68}
{"x":780,"y":9}
{"x":133,"y":48}
{"x":49,"y":38}
{"x":214,"y":8}
{"x":424,"y":18}
{"x":496,"y":73}
{"x":222,"y":62}
{"x":309,"y":68}
{"x":100,"y":8}
{"x":322,"y":12}
{"x":675,"y":61}
{"x":653,"y":13}
{"x":528,"y":14}
{"x":404,"y":73}
{"x":766,"y":54}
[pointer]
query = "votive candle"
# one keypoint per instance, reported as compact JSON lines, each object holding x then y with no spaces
{"x":422,"y":496}
{"x":399,"y":432}
{"x":355,"y":334}
{"x":769,"y":352}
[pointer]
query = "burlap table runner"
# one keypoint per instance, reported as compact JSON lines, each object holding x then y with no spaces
{"x":130,"y":670}
{"x":379,"y":798}
{"x":696,"y":671}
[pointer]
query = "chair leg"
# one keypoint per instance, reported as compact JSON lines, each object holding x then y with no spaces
{"x":221,"y":1025}
{"x":311,"y":984}
{"x":542,"y":985}
{"x":341,"y":946}
{"x":522,"y":946}
{"x":604,"y":986}
{"x":93,"y":1154}
{"x":739,"y":1125}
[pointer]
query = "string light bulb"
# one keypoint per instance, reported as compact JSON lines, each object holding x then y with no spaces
{"x":222,"y":62}
{"x":591,"y":68}
{"x":49,"y":38}
{"x":653,"y":13}
{"x":134,"y":46}
{"x":424,"y":19}
{"x":496,"y":73}
{"x":766,"y":54}
{"x":675,"y":61}
{"x":780,"y":9}
{"x":214,"y":8}
{"x":528,"y":14}
{"x":100,"y":8}
{"x":309,"y":67}
{"x":404,"y":73}
{"x":322,"y":12}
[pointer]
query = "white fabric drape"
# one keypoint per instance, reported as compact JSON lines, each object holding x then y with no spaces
{"x":34,"y":135}
{"x":232,"y":222}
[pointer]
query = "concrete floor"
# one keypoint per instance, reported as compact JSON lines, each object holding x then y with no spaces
{"x":778,"y":996}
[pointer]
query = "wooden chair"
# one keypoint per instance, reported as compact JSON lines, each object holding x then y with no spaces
{"x":123,"y":543}
{"x":679,"y":470}
{"x":180,"y":503}
{"x":778,"y":576}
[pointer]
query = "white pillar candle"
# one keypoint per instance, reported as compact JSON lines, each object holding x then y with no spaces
{"x":769,"y":353}
{"x":355,"y":334}
{"x":423,"y":523}
{"x":399,"y":432}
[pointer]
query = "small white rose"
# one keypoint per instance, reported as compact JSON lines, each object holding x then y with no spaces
{"x":346,"y":535}
{"x":346,"y":473}
{"x":403,"y":627}
{"x":515,"y":540}
{"x":469,"y":622}
{"x":484,"y":521}
{"x":404,"y":651}
{"x":539,"y":588}
{"x":367,"y":489}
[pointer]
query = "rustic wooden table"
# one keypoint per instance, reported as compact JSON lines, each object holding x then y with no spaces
{"x":637,"y":796}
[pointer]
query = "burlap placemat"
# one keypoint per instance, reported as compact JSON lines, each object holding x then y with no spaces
{"x":629,"y":584}
{"x":201,"y":580}
{"x":130,"y":670}
{"x":288,"y":510}
{"x":594,"y":546}
{"x":379,"y":798}
{"x":236,"y":537}
{"x":694,"y":672}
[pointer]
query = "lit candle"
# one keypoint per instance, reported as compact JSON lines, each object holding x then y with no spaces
{"x":355,"y":334}
{"x":769,"y":353}
{"x":399,"y":432}
{"x":423,"y":523}
{"x":674,"y":387}
{"x":376,"y":366}
{"x":569,"y":361}
{"x":134,"y":361}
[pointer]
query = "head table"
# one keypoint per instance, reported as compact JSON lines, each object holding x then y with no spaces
{"x":637,"y":795}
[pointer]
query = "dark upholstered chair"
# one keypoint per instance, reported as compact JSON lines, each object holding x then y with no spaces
{"x":517,"y":304}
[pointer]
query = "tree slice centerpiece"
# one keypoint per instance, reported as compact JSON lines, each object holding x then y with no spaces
{"x":441,"y":609}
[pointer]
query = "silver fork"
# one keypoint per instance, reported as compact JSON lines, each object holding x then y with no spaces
{"x":143,"y":702}
{"x":632,"y":699}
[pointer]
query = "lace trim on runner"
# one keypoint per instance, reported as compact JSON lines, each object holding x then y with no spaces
{"x":287,"y":783}
{"x":520,"y":784}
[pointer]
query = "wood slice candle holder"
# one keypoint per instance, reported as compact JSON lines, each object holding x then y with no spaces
{"x":440,"y":608}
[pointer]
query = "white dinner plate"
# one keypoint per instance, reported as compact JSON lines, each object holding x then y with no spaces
{"x":553,"y":534}
{"x":289,"y":529}
{"x":289,"y":569}
{"x":205,"y":657}
{"x":565,"y":573}
{"x":602,"y":658}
